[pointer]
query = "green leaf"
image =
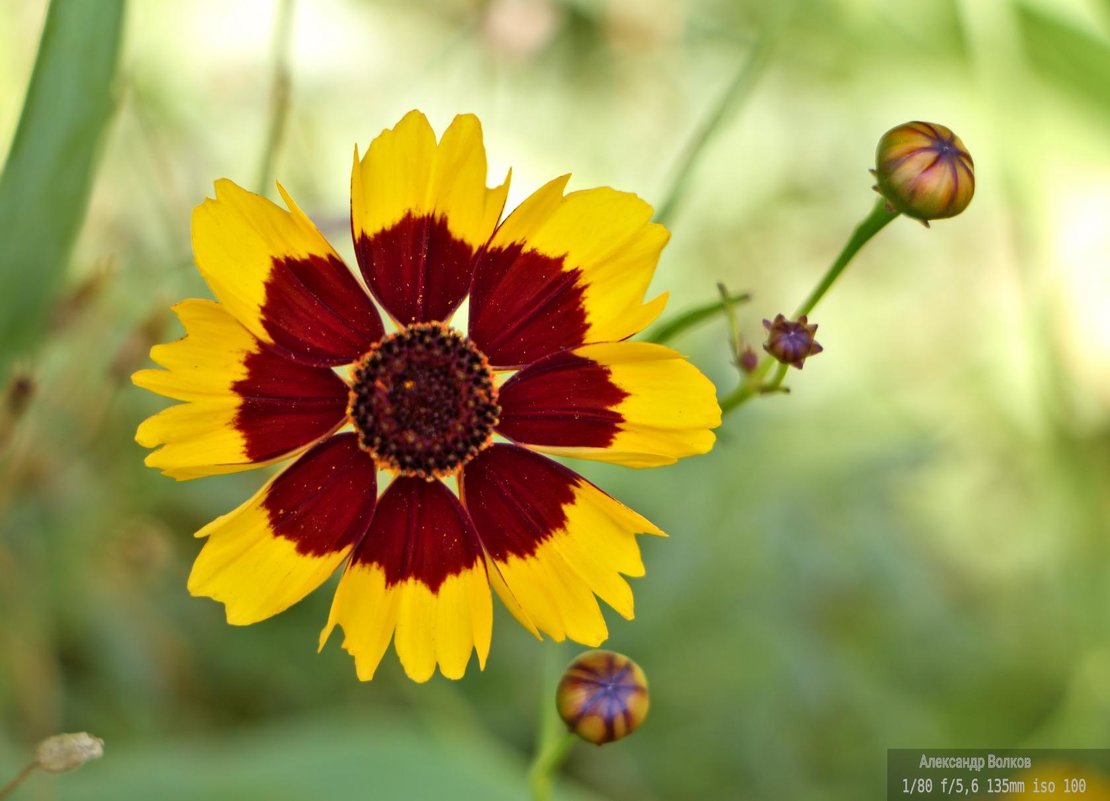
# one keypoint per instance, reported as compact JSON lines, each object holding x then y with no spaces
{"x":1069,"y":57}
{"x":342,"y":758}
{"x":44,"y":189}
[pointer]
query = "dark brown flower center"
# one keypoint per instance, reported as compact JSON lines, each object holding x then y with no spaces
{"x":423,"y":401}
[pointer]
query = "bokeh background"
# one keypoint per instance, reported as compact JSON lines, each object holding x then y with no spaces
{"x":910,"y":549}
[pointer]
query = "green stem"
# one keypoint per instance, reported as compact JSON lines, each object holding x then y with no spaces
{"x":753,"y":384}
{"x":871,"y":225}
{"x":738,"y":89}
{"x":776,"y":380}
{"x":545,"y":767}
{"x":279,"y":94}
{"x":727,"y":309}
{"x":669,"y":329}
{"x":553,"y":741}
{"x":18,"y":780}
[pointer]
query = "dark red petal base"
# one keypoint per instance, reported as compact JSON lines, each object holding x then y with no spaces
{"x":524,"y":306}
{"x":417,"y":269}
{"x":324,"y":501}
{"x":421,"y":532}
{"x":317,"y":313}
{"x":563,"y":400}
{"x":286,"y":405}
{"x":516,"y":499}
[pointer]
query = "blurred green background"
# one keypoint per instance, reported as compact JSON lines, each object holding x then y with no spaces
{"x":911,"y":549}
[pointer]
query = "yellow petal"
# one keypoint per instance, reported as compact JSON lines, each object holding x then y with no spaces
{"x":564,"y":271}
{"x":419,"y":212}
{"x":246,"y":404}
{"x":630,"y":403}
{"x":405,"y":172}
{"x":284,"y":542}
{"x":553,"y":541}
{"x":278,"y":276}
{"x":417,"y":577}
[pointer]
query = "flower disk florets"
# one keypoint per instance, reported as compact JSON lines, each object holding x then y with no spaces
{"x":423,"y":401}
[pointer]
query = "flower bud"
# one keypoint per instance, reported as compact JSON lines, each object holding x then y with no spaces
{"x":747,"y":361}
{"x":924,"y":171}
{"x":602,"y":697}
{"x":791,"y":342}
{"x":64,"y":752}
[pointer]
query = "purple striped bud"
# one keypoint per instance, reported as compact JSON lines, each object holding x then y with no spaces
{"x":924,"y":171}
{"x":603,"y":696}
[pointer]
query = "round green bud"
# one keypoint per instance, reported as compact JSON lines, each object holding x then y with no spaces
{"x":924,"y":171}
{"x":603,"y":696}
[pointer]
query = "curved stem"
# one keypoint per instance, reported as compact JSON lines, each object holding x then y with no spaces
{"x":775,"y":384}
{"x":553,"y":741}
{"x":19,"y":779}
{"x":545,"y":767}
{"x":279,"y":94}
{"x":669,"y":329}
{"x":871,"y":225}
{"x":753,"y":383}
{"x":738,"y":90}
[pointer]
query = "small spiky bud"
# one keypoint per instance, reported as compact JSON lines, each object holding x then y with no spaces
{"x":64,"y":752}
{"x":747,"y":361}
{"x":603,"y":696}
{"x":791,"y":342}
{"x":924,"y":171}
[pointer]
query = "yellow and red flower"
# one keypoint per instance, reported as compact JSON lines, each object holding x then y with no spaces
{"x":554,"y":290}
